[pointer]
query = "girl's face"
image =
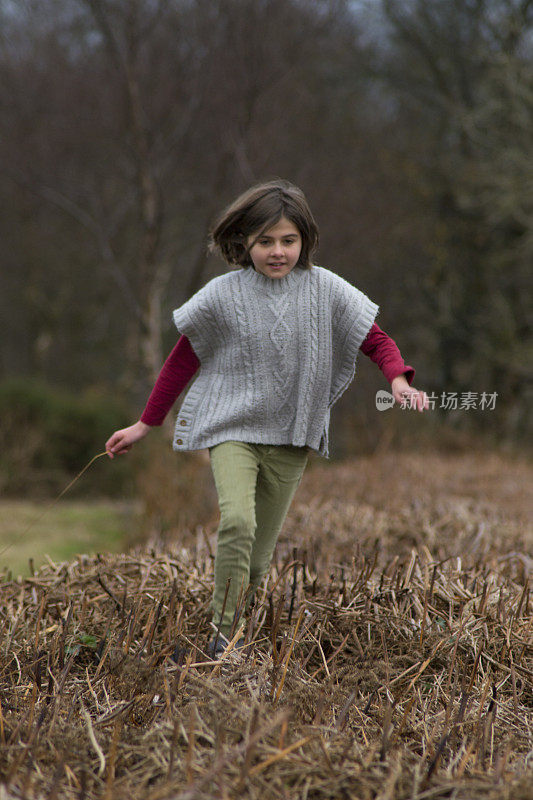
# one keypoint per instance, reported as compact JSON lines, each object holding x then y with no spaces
{"x":277,"y":250}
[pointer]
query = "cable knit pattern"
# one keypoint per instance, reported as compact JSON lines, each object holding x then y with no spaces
{"x":282,"y":336}
{"x":244,"y":356}
{"x":311,"y":348}
{"x":275,"y":355}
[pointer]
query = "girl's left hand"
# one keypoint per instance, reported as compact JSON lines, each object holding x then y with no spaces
{"x":408,"y":395}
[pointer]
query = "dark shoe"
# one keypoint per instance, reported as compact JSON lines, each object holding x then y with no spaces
{"x":218,"y":644}
{"x":179,"y":655}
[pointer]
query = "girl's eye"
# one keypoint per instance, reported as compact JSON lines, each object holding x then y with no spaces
{"x":267,"y":242}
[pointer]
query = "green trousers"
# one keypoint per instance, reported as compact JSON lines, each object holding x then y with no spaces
{"x":255,"y":485}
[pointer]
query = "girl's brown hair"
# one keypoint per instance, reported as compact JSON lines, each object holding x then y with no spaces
{"x":257,"y":210}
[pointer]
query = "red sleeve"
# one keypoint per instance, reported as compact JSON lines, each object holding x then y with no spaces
{"x":384,"y":351}
{"x":175,"y":374}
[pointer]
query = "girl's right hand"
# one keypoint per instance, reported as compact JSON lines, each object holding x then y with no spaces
{"x":122,"y":441}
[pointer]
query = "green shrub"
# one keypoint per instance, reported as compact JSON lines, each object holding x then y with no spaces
{"x":48,"y":435}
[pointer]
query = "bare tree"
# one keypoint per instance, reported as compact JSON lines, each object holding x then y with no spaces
{"x":151,"y":116}
{"x":464,"y":73}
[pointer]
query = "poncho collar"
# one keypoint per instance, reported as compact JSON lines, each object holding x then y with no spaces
{"x":261,"y":282}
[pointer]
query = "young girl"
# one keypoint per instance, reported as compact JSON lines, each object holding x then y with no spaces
{"x":275,"y":343}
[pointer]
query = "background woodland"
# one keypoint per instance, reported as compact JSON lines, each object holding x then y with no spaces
{"x":126,"y":125}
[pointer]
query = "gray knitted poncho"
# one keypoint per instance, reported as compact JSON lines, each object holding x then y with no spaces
{"x":275,"y":355}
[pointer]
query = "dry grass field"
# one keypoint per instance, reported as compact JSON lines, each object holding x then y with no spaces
{"x":389,"y":657}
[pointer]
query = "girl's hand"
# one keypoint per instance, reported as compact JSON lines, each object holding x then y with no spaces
{"x":403,"y":393}
{"x":122,"y":441}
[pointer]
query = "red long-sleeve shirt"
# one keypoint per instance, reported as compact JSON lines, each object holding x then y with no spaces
{"x":182,"y":364}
